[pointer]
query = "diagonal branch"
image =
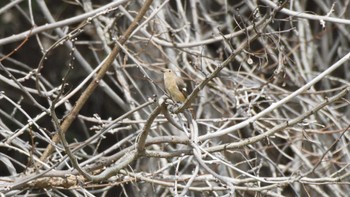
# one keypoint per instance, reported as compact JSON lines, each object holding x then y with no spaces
{"x":92,"y":86}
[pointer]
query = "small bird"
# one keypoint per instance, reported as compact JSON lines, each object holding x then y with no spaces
{"x":175,"y":86}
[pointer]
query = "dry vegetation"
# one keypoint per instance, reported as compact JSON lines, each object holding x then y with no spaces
{"x":83,"y":109}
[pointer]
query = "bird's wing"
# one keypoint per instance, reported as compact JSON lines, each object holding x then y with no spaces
{"x":182,"y":85}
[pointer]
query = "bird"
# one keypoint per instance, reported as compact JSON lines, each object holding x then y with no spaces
{"x":175,"y":86}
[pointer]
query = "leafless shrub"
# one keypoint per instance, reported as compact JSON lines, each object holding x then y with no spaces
{"x":83,"y":109}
